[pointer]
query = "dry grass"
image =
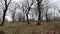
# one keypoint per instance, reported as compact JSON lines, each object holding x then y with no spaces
{"x":32,"y":28}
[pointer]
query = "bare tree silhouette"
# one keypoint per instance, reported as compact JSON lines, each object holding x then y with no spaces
{"x":39,"y":2}
{"x":4,"y":10}
{"x":28,"y":6}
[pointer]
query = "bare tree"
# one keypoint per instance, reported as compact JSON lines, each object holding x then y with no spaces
{"x":47,"y":7}
{"x":47,"y":10}
{"x":23,"y":9}
{"x":13,"y":15}
{"x":4,"y":11}
{"x":39,"y":3}
{"x":54,"y":12}
{"x":28,"y":6}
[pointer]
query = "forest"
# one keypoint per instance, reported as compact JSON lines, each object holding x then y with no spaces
{"x":29,"y":16}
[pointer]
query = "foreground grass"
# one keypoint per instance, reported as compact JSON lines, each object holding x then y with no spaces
{"x":32,"y":28}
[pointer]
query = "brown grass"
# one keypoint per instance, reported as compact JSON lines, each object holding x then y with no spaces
{"x":32,"y":28}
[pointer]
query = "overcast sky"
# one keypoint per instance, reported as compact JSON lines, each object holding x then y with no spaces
{"x":54,"y":3}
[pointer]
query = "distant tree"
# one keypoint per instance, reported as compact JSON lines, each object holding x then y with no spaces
{"x":19,"y":18}
{"x":23,"y":9}
{"x":47,"y":14}
{"x":39,"y":3}
{"x":13,"y":15}
{"x":4,"y":11}
{"x":28,"y":7}
{"x":57,"y":17}
{"x":47,"y":7}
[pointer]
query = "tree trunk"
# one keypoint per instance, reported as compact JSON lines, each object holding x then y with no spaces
{"x":23,"y":18}
{"x":3,"y":17}
{"x":46,"y":17}
{"x":39,"y":15}
{"x":39,"y":18}
{"x":27,"y":15}
{"x":13,"y":18}
{"x":27,"y":18}
{"x":4,"y":12}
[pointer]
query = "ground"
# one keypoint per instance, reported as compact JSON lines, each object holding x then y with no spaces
{"x":32,"y":28}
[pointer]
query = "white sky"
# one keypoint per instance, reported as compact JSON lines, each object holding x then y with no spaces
{"x":17,"y":0}
{"x":56,"y":2}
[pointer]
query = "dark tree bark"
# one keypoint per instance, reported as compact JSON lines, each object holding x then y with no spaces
{"x":19,"y":18}
{"x":4,"y":12}
{"x":47,"y":14}
{"x":28,"y":9}
{"x":27,"y":19}
{"x":39,"y":9}
{"x":27,"y":15}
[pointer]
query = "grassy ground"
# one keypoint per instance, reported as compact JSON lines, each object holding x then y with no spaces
{"x":32,"y":28}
